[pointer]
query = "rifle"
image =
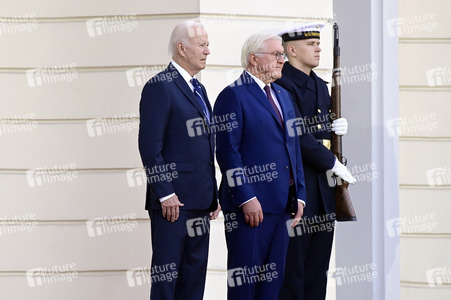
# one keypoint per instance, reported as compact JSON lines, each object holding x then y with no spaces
{"x":344,"y":209}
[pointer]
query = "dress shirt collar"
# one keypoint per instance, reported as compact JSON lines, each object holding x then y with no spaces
{"x":260,"y":83}
{"x":185,"y":75}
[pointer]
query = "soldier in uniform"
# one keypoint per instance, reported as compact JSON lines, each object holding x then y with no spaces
{"x":311,"y":242}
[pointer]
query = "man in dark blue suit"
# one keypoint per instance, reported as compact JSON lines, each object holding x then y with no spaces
{"x":311,"y":241}
{"x":177,"y":150}
{"x":263,"y":179}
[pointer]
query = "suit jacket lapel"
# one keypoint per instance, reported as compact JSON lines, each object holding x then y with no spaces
{"x":284,"y":103}
{"x":207,"y":102}
{"x":183,"y":86}
{"x":260,"y":95}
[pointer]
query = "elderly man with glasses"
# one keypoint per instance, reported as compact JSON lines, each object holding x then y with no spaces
{"x":263,"y":179}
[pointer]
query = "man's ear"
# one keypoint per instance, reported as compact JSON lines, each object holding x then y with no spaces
{"x":253,"y":59}
{"x":181,"y":49}
{"x":291,"y":50}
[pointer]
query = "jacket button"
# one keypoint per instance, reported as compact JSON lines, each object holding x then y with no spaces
{"x":319,"y":110}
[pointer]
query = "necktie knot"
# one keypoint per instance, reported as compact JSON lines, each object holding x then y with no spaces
{"x":195,"y":83}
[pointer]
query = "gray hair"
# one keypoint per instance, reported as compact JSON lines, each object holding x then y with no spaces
{"x":254,"y":44}
{"x":183,"y":32}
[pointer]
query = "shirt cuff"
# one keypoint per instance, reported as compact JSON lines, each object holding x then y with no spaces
{"x":247,"y":201}
{"x":166,"y":197}
{"x":302,"y":201}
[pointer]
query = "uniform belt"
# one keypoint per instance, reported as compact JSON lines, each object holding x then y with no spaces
{"x":326,"y":143}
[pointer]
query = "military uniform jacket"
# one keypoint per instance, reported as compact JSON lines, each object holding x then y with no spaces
{"x":311,"y":97}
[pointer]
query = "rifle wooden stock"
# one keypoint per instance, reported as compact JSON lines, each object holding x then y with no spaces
{"x":344,"y":208}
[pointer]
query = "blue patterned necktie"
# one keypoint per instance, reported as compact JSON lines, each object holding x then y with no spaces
{"x":199,"y":96}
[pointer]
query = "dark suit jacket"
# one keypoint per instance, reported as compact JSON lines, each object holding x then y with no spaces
{"x":172,"y":131}
{"x":312,"y":103}
{"x":258,"y":140}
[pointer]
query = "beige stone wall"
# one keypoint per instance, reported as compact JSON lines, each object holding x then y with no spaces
{"x":70,"y":88}
{"x":425,"y":160}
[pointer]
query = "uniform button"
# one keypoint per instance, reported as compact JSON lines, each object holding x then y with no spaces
{"x":319,"y":110}
{"x":319,"y":126}
{"x":330,"y":110}
{"x":286,"y":167}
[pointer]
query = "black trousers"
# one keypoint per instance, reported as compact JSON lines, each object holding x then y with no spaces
{"x":307,"y":262}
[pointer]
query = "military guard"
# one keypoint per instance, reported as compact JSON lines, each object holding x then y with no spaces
{"x":311,"y":241}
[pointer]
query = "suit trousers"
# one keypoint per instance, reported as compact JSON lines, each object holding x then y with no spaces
{"x":256,"y":256}
{"x":180,"y":247}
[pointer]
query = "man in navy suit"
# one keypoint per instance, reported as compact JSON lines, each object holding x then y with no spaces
{"x":263,"y":179}
{"x":311,"y":242}
{"x":177,"y":151}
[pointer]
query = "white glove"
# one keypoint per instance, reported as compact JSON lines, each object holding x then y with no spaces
{"x":340,"y":126}
{"x":341,"y":171}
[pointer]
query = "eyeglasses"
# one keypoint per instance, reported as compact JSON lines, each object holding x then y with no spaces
{"x":278,"y":55}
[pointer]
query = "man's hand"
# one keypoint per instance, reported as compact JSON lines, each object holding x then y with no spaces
{"x":297,"y":217}
{"x":170,"y":208}
{"x":214,"y":214}
{"x":340,"y":126}
{"x":253,"y":214}
{"x":340,"y":170}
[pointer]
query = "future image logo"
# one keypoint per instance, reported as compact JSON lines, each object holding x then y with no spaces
{"x":18,"y":123}
{"x":16,"y":224}
{"x":354,"y":274}
{"x":111,"y":125}
{"x":198,"y":226}
{"x":49,"y":275}
{"x":439,"y":76}
{"x":412,"y":24}
{"x":412,"y":125}
{"x":251,"y":275}
{"x":312,"y":225}
{"x":109,"y":25}
{"x":108,"y":225}
{"x":438,"y":276}
{"x":157,"y":273}
{"x":412,"y":224}
{"x":439,"y":176}
{"x":252,"y":174}
{"x":137,"y":77}
{"x":16,"y":24}
{"x":50,"y":75}
{"x":196,"y":127}
{"x":47,"y":175}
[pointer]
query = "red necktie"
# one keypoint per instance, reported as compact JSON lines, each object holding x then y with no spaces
{"x":273,"y":104}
